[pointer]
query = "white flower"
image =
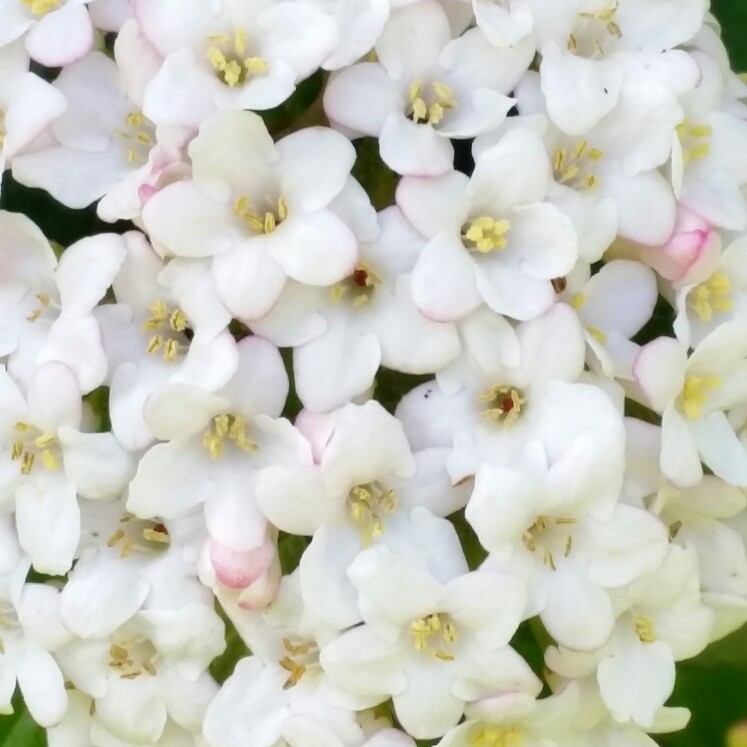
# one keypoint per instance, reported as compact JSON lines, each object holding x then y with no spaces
{"x":261,"y":210}
{"x":692,"y":395}
{"x":493,"y":237}
{"x":425,"y":88}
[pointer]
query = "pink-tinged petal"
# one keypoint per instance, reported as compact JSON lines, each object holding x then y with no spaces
{"x":260,"y":384}
{"x":337,"y":366}
{"x":508,"y":290}
{"x":78,"y":344}
{"x":646,"y":206}
{"x":410,"y":342}
{"x":86,"y":271}
{"x":367,"y":443}
{"x":295,"y":500}
{"x":316,"y":249}
{"x":579,"y":91}
{"x":413,"y":39}
{"x":361,"y":97}
{"x":414,"y":149}
{"x":41,"y":683}
{"x":434,"y":205}
{"x":443,"y":281}
{"x":171,"y":479}
{"x":54,"y":397}
{"x":318,"y":156}
{"x":513,"y":172}
{"x":61,"y":37}
{"x":181,"y":410}
{"x":577,"y":613}
{"x":236,"y":570}
{"x":48,"y":524}
{"x":721,"y":449}
{"x":659,"y":370}
{"x":679,"y":459}
{"x":181,"y":221}
{"x":96,"y":463}
{"x":100,"y":595}
{"x":427,"y":709}
{"x":248,"y":281}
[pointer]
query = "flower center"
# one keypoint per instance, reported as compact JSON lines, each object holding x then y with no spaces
{"x":132,"y":658}
{"x":139,"y":535}
{"x":138,"y":135}
{"x":45,"y":302}
{"x":694,"y":140}
{"x":427,"y":106}
{"x":300,"y":657}
{"x":695,"y":394}
{"x":227,"y":427}
{"x":485,"y":234}
{"x":228,"y":57}
{"x":712,"y":296}
{"x":434,"y":634}
{"x":549,"y":535}
{"x":497,"y":736}
{"x":367,"y":504}
{"x":593,"y":31}
{"x":644,"y":629}
{"x":358,"y":287}
{"x":261,"y":222}
{"x":168,"y":323}
{"x":503,"y":403}
{"x":32,"y":445}
{"x":41,"y":7}
{"x":573,"y":167}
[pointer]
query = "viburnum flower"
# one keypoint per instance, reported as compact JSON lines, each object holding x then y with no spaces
{"x":260,"y":210}
{"x":46,"y":306}
{"x":228,"y":55}
{"x":46,"y":462}
{"x":365,"y":321}
{"x":104,"y":145}
{"x":430,"y":641}
{"x":692,"y":394}
{"x":661,"y":620}
{"x":425,"y":90}
{"x":491,"y":238}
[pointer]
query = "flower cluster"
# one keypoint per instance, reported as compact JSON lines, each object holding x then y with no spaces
{"x":510,"y":409}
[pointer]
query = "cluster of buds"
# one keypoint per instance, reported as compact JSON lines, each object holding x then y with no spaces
{"x":378,"y":383}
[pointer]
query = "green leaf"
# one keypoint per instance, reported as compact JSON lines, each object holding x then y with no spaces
{"x":732,"y":15}
{"x":19,"y":729}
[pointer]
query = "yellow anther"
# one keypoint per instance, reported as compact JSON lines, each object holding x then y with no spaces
{"x":696,"y":152}
{"x":644,"y":629}
{"x":41,"y":7}
{"x":16,"y":450}
{"x":503,"y":403}
{"x":269,"y":223}
{"x":232,"y":72}
{"x":178,"y":321}
{"x":155,"y":534}
{"x":282,"y":208}
{"x":296,"y":671}
{"x":701,"y":131}
{"x":485,"y":234}
{"x":548,"y":560}
{"x":115,"y":538}
{"x":239,"y":41}
{"x":118,"y":653}
{"x":572,"y":44}
{"x":597,"y":334}
{"x":568,"y":545}
{"x":580,"y":148}
{"x":159,"y":310}
{"x":578,"y":300}
{"x":170,"y":351}
{"x":695,"y":394}
{"x":497,"y":736}
{"x":44,"y":440}
{"x":255,"y":65}
{"x":595,"y":154}
{"x":712,"y":296}
{"x":50,"y":460}
{"x":154,"y":343}
{"x":434,"y":629}
{"x":27,"y":463}
{"x":135,"y":119}
{"x":441,"y":98}
{"x":419,"y":111}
